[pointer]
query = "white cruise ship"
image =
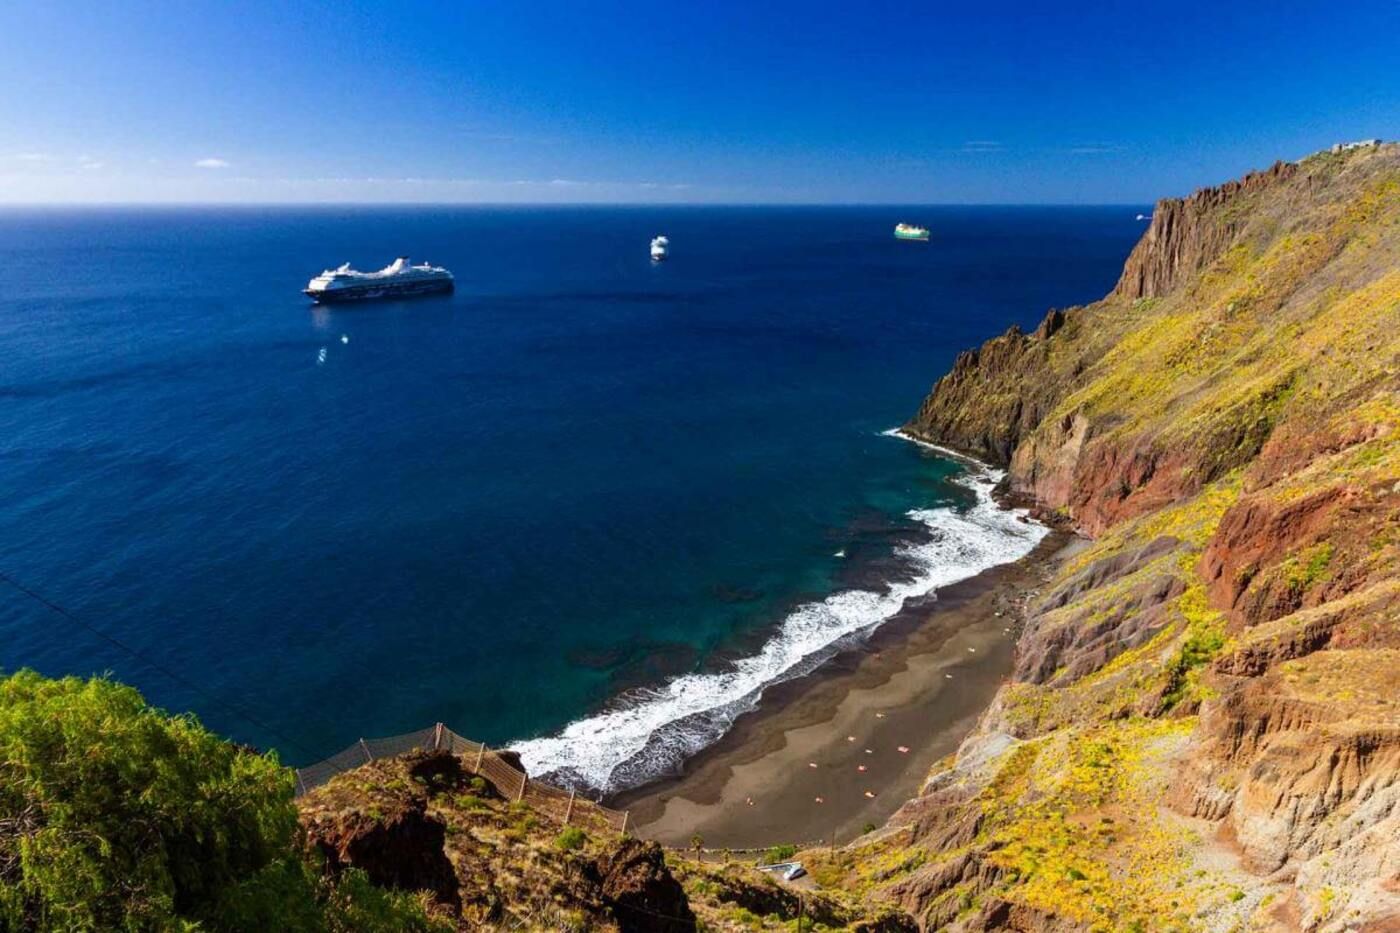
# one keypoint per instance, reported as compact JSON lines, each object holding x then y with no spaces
{"x":659,"y":246}
{"x":397,"y":280}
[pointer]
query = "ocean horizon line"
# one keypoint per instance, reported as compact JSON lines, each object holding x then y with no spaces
{"x":547,"y":205}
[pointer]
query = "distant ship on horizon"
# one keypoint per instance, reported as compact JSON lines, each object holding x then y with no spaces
{"x":399,"y":279}
{"x":659,"y":247}
{"x":910,"y":232}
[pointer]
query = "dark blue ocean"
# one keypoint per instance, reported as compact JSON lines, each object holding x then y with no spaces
{"x":585,"y":493}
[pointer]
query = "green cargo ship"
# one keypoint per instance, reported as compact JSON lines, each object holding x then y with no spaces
{"x":910,"y":232}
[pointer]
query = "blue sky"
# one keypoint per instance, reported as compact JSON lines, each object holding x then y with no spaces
{"x":907,"y":102}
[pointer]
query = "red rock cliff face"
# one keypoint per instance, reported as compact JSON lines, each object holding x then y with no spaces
{"x":1077,"y":420}
{"x":1296,"y":773}
{"x":1227,"y":425}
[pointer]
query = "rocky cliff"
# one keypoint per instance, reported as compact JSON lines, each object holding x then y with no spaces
{"x":422,"y":825}
{"x":1203,"y":729}
{"x":1188,"y":234}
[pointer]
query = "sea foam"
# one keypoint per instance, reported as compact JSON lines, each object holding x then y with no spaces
{"x":648,"y":732}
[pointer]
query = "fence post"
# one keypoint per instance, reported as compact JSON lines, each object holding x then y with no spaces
{"x":480,"y":754}
{"x":437,"y":737}
{"x":625,"y":815}
{"x":524,"y":779}
{"x":365,"y":748}
{"x":300,"y":782}
{"x":568,"y":811}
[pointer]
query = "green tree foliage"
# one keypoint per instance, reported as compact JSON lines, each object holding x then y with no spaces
{"x":779,"y":854}
{"x":116,"y":816}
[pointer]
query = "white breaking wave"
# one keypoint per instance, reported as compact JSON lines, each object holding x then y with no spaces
{"x":945,"y":451}
{"x":650,"y":731}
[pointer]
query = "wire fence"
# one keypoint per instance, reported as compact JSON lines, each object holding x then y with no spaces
{"x":563,"y":806}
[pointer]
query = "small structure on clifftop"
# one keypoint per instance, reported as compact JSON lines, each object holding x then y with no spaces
{"x":1359,"y":144}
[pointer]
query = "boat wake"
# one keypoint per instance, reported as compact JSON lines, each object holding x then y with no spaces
{"x":647,"y":733}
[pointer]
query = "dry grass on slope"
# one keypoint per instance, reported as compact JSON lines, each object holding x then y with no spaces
{"x":1202,"y":733}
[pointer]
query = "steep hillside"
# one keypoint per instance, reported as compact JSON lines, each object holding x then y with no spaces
{"x":117,"y":816}
{"x":423,"y":823}
{"x":1203,"y":729}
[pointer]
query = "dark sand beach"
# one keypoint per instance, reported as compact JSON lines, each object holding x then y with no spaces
{"x":790,"y":772}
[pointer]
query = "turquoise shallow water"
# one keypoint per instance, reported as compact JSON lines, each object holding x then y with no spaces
{"x":579,"y":478}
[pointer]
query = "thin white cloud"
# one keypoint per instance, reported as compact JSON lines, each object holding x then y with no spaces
{"x":1094,"y":148}
{"x":118,"y":183}
{"x":575,"y":183}
{"x":374,"y":180}
{"x":493,"y":136}
{"x":211,"y":163}
{"x":982,"y":145}
{"x":33,"y":157}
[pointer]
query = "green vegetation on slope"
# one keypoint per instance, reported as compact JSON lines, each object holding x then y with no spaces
{"x":1224,"y":651}
{"x":115,"y":816}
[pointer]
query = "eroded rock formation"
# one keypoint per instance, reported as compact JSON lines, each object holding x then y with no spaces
{"x":1203,"y":728}
{"x":644,"y":896}
{"x":1187,"y":234}
{"x":422,"y":823}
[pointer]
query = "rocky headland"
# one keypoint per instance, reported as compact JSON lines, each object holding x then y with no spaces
{"x":1203,"y":728}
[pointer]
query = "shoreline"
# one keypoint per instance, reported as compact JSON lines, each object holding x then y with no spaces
{"x":920,"y":682}
{"x":624,"y":746}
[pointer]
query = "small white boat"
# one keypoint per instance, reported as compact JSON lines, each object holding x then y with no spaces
{"x":659,"y":246}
